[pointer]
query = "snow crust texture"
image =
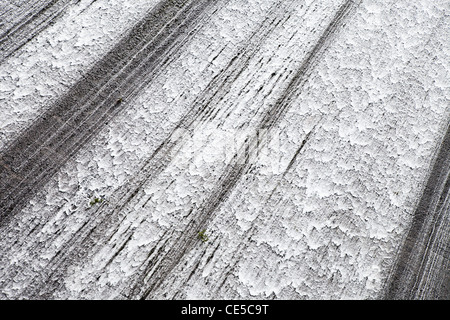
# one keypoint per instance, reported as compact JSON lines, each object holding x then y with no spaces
{"x":300,"y":135}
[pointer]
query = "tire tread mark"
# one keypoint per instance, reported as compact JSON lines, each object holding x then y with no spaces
{"x":234,"y":171}
{"x":30,"y":160}
{"x":30,"y":25}
{"x":416,"y":274}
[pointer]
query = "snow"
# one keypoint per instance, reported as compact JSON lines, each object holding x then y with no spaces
{"x":374,"y":108}
{"x":54,"y":60}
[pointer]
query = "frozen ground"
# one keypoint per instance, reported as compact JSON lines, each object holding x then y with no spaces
{"x":308,"y":138}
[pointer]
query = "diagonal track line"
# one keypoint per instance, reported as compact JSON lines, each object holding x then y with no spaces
{"x":42,"y":149}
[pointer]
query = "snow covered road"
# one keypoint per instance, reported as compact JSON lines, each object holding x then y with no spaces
{"x":309,"y":139}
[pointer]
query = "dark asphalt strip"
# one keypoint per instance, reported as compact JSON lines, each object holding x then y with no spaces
{"x":155,"y":42}
{"x":164,"y":259}
{"x":428,"y":240}
{"x":34,"y":157}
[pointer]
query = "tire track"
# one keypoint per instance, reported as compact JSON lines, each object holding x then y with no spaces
{"x":203,"y":106}
{"x":274,"y":114}
{"x":30,"y":20}
{"x":111,"y":213}
{"x":30,"y":160}
{"x":422,"y":267}
{"x":240,"y":165}
{"x":189,"y":18}
{"x":157,"y":271}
